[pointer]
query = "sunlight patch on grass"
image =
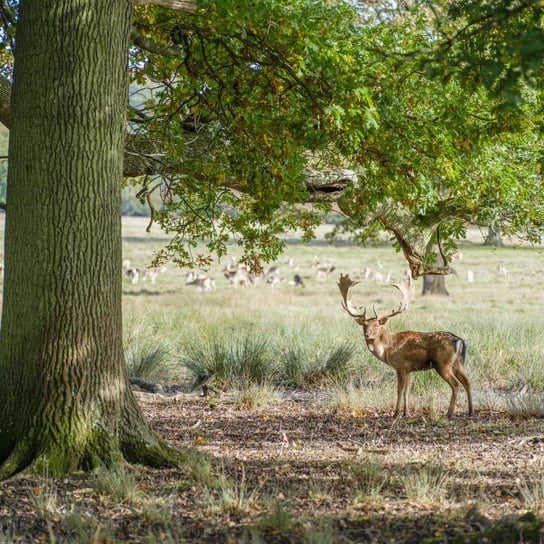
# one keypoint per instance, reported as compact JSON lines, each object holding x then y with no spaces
{"x":117,"y":483}
{"x":532,"y":493}
{"x":45,"y":499}
{"x":235,"y":495}
{"x":83,"y":528}
{"x":370,"y":482}
{"x":426,"y":485}
{"x":279,"y":519}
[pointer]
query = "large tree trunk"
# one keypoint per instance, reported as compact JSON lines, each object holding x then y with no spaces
{"x":66,"y":402}
{"x":494,"y":237}
{"x":434,"y":284}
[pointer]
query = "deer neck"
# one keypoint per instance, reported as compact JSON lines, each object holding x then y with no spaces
{"x":379,"y":345}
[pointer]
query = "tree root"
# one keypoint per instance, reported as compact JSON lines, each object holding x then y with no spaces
{"x":125,"y":438}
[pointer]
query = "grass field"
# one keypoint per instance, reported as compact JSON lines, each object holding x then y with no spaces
{"x":295,"y":442}
{"x":498,"y":313}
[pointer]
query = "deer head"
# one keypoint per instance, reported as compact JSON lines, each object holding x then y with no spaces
{"x":372,"y":325}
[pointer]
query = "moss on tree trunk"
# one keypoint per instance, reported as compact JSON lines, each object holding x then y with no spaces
{"x":66,"y":402}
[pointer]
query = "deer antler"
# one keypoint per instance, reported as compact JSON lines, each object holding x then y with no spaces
{"x":405,"y":286}
{"x":344,"y":284}
{"x":407,"y":289}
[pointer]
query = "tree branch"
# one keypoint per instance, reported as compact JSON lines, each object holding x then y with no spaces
{"x":7,"y":12}
{"x":180,"y":5}
{"x":143,"y":158}
{"x":149,"y":45}
{"x":413,"y":232}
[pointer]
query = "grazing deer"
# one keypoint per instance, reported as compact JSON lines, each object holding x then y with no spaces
{"x":132,"y":273}
{"x":236,"y":277}
{"x":153,"y":273}
{"x":201,"y":282}
{"x":298,"y":281}
{"x":273,"y":276}
{"x":322,"y":272}
{"x":409,"y":351}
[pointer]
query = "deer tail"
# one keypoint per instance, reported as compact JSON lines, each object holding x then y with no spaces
{"x":460,"y":350}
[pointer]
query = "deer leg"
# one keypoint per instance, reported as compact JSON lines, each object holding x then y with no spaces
{"x":403,"y":382}
{"x":407,"y":384}
{"x":453,"y":382}
{"x":462,"y":377}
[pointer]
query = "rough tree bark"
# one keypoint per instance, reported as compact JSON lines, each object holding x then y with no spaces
{"x":66,"y":400}
{"x":434,"y":284}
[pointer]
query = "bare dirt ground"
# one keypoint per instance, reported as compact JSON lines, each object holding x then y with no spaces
{"x":299,"y":471}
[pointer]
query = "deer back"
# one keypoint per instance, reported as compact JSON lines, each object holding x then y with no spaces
{"x":415,"y":351}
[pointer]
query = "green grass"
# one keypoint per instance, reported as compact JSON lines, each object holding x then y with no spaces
{"x":299,"y":338}
{"x":232,"y":363}
{"x":149,"y":361}
{"x":532,"y":494}
{"x":426,"y":485}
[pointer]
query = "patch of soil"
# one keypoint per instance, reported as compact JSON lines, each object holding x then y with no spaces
{"x":299,"y":468}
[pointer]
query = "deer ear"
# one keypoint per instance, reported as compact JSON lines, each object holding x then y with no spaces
{"x":383,"y":320}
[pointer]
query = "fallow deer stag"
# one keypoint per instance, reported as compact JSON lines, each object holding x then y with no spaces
{"x":409,"y":351}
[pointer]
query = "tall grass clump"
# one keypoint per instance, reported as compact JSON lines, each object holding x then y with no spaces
{"x":258,"y":360}
{"x":532,"y":493}
{"x":278,"y":520}
{"x":370,"y":480}
{"x":229,"y":362}
{"x":507,"y":352}
{"x":206,"y":359}
{"x":524,"y":404}
{"x":117,"y":483}
{"x":149,"y":361}
{"x":251,"y":361}
{"x":45,"y":499}
{"x":338,"y":362}
{"x":84,"y":528}
{"x":233,"y":495}
{"x":293,"y":363}
{"x":300,"y":366}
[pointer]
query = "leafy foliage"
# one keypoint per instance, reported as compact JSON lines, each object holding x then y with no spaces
{"x":236,"y":100}
{"x":294,"y":84}
{"x":498,"y":43}
{"x":251,"y":81}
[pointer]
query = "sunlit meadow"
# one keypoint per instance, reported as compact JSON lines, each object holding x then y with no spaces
{"x":290,"y":333}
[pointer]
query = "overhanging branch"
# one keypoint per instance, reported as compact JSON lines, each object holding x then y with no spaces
{"x":153,"y":47}
{"x":179,"y":5}
{"x":413,"y":233}
{"x":142,"y":157}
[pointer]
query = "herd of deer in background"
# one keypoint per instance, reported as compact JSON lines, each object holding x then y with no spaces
{"x":237,"y":274}
{"x":290,"y":273}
